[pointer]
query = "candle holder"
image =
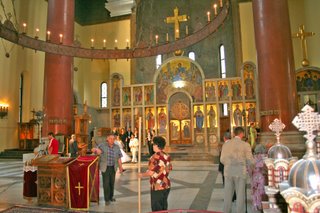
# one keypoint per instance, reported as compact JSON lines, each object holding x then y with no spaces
{"x":4,"y":111}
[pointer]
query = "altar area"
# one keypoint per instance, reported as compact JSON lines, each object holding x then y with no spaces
{"x":63,"y":182}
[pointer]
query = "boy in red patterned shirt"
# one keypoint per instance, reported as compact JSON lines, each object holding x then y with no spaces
{"x":158,"y":171}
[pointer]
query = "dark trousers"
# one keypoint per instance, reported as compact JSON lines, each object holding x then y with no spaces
{"x":159,"y":200}
{"x":150,"y":148}
{"x":108,"y":178}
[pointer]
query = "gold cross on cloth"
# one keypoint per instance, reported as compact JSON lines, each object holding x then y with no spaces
{"x":79,"y":187}
{"x":302,"y":36}
{"x":176,"y":19}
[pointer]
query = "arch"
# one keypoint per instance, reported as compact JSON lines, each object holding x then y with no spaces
{"x":179,"y":74}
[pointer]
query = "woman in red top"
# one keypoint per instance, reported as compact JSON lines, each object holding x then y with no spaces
{"x":158,"y":171}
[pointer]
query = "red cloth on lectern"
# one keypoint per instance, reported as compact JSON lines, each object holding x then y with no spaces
{"x":83,"y":182}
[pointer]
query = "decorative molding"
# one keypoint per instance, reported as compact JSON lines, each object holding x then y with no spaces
{"x":119,"y":7}
{"x":135,"y":52}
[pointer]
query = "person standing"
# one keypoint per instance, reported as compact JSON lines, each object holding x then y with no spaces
{"x":53,"y":146}
{"x":110,"y":160}
{"x":73,"y":146}
{"x":158,"y":170}
{"x":128,"y":136}
{"x":134,"y":146}
{"x":235,"y":156}
{"x":149,"y":142}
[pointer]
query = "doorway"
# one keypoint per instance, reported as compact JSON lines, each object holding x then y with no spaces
{"x":180,"y":119}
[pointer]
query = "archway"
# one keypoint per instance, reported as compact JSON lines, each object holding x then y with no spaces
{"x":180,"y":121}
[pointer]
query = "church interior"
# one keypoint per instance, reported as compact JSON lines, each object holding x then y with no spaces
{"x":189,"y":70}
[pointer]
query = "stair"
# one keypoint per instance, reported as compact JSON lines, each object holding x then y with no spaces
{"x":13,"y":153}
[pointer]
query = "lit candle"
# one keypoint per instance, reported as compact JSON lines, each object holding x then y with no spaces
{"x":61,"y":38}
{"x":215,"y":9}
{"x":37,"y":32}
{"x":104,"y":43}
{"x":48,"y":35}
{"x":127,"y":43}
{"x":116,"y":42}
{"x":221,"y":3}
{"x":92,"y":42}
{"x":208,"y":14}
{"x":157,"y":39}
{"x":167,"y":37}
{"x":187,"y":30}
{"x":24,"y":27}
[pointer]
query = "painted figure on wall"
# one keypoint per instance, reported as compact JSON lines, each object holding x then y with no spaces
{"x":174,"y":131}
{"x":251,"y":114}
{"x":162,"y":121}
{"x":249,"y":87}
{"x":150,"y":119}
{"x":236,"y":90}
{"x":116,"y":95}
{"x":126,"y":94}
{"x":116,"y":118}
{"x":148,"y":95}
{"x":186,"y":130}
{"x":137,"y":114}
{"x":179,"y":70}
{"x":210,"y":92}
{"x":237,"y":116}
{"x":137,"y":93}
{"x":212,"y":118}
{"x":199,"y":119}
{"x":127,"y":119}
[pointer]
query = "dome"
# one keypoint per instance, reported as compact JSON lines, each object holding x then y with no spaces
{"x":305,"y":175}
{"x":279,"y":151}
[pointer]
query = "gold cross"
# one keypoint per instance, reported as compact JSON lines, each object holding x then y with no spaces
{"x":79,"y":187}
{"x":81,"y":164}
{"x":302,"y":36}
{"x":176,"y":19}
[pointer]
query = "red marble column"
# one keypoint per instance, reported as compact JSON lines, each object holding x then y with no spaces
{"x":58,"y":88}
{"x":277,"y":88}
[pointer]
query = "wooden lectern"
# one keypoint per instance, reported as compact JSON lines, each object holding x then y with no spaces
{"x":52,"y":180}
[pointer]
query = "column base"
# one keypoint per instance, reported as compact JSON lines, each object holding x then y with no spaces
{"x":294,"y":140}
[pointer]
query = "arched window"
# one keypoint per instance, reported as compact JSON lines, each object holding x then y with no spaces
{"x":104,"y":95}
{"x":158,"y":61}
{"x":20,"y":97}
{"x":192,"y":55}
{"x":223,"y":71}
{"x":223,"y":74}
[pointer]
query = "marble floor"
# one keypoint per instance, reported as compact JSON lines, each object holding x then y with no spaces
{"x":195,"y":185}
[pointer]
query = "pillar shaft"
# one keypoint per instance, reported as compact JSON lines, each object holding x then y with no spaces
{"x":58,"y":92}
{"x":277,"y":88}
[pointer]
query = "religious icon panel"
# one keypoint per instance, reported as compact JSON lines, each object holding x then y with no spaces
{"x":126,"y":118}
{"x":162,"y":120}
{"x":150,"y":118}
{"x":198,"y":118}
{"x":126,"y":96}
{"x":249,"y":81}
{"x":116,"y":91}
{"x":251,"y":113}
{"x":223,"y":90}
{"x":137,"y":114}
{"x":236,"y":89}
{"x":237,"y":115}
{"x":211,"y":117}
{"x":148,"y":95}
{"x":116,"y":118}
{"x":137,"y":95}
{"x":210,"y":90}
